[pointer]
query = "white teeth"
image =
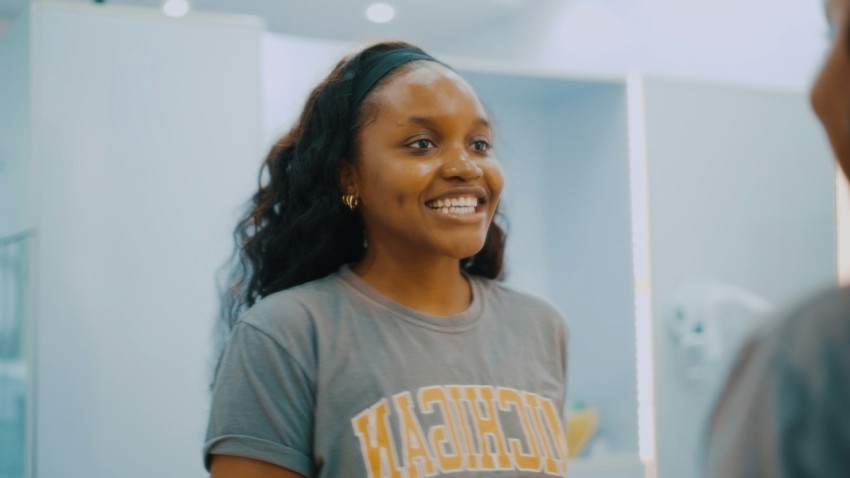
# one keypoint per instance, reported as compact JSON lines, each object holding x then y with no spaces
{"x":455,"y":203}
{"x":457,"y":210}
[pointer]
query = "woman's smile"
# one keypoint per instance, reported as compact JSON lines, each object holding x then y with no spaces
{"x":460,"y":206}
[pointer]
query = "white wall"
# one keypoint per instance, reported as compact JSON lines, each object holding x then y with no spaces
{"x":291,"y":68}
{"x":741,"y":189}
{"x":147,"y":136}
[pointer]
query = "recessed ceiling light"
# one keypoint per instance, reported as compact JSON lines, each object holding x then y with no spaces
{"x":176,"y":8}
{"x":380,"y":12}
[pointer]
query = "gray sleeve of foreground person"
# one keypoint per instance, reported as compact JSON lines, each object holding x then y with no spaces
{"x":785,"y":409}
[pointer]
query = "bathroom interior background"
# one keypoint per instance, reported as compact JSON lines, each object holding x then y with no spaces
{"x":668,"y":186}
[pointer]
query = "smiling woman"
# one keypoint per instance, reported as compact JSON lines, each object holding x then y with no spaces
{"x":370,"y":334}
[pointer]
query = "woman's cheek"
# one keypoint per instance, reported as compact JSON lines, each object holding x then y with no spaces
{"x":495,"y":177}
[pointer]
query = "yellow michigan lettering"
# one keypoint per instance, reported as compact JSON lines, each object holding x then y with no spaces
{"x":372,"y":427}
{"x":469,"y":434}
{"x":446,"y":446}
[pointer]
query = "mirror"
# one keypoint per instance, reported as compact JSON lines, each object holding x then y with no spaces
{"x":661,"y":210}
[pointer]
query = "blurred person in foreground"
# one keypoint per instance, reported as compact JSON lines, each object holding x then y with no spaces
{"x":784,"y":409}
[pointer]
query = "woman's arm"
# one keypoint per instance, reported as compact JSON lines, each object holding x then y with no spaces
{"x":228,"y":466}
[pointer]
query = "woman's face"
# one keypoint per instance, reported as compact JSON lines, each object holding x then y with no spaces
{"x":426,"y":175}
{"x":831,"y":91}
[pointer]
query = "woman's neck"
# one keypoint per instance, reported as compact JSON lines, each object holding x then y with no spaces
{"x":435,"y":287}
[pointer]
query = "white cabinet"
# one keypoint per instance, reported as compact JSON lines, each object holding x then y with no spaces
{"x":141,"y":135}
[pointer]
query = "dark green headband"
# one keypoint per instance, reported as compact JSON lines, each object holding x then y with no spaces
{"x":381,"y":65}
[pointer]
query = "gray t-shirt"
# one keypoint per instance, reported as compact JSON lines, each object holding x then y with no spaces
{"x":331,"y":378}
{"x":785,"y":410}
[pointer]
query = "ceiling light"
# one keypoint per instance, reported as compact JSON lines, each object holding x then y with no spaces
{"x":380,"y":12}
{"x":176,"y":8}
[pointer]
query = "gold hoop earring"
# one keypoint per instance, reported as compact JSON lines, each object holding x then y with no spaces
{"x":351,"y":201}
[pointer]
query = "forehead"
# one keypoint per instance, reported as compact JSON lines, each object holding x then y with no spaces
{"x":427,"y":88}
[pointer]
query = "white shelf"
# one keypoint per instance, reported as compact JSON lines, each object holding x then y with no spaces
{"x":620,"y":465}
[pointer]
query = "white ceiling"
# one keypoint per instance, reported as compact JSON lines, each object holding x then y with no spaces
{"x":775,"y":43}
{"x":423,"y":21}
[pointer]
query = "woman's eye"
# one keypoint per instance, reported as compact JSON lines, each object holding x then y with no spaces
{"x":422,"y":144}
{"x":480,"y":146}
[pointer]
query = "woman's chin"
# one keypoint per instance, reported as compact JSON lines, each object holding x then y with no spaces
{"x":462,"y":251}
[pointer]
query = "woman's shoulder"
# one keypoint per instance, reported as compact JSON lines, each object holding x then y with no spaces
{"x":508,"y":297}
{"x":294,"y":309}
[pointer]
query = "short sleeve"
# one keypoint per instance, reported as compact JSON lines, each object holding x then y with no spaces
{"x":262,"y":404}
{"x":743,"y":438}
{"x":783,"y":410}
{"x":770,"y":421}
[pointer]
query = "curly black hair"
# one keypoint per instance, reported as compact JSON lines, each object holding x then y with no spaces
{"x":296,"y":228}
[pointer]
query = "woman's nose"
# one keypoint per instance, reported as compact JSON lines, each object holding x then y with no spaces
{"x":459,"y":165}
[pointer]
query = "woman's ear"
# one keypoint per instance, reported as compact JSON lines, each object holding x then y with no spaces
{"x":347,"y":177}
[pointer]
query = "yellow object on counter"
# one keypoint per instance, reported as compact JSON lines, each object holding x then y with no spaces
{"x":581,"y":426}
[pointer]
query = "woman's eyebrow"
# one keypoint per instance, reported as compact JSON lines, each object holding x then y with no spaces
{"x":483,"y":122}
{"x":431,"y":122}
{"x":418,"y":120}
